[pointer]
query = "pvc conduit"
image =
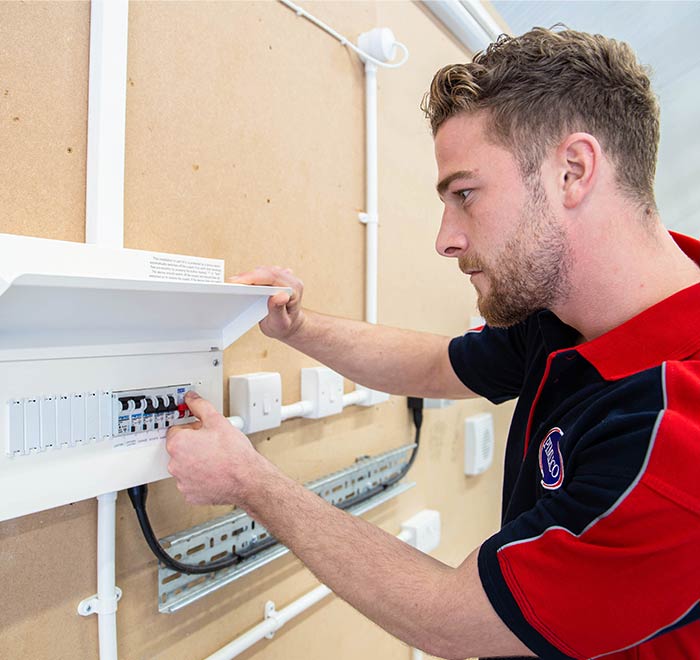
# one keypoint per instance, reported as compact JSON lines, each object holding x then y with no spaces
{"x":104,"y":190}
{"x":275,"y":620}
{"x":344,"y":41}
{"x":104,"y":225}
{"x":106,"y":583}
{"x":354,"y":398}
{"x":467,"y":20}
{"x":372,"y":193}
{"x":298,"y":409}
{"x":483,"y":18}
{"x":303,"y":408}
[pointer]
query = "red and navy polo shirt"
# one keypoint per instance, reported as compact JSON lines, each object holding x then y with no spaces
{"x":599,"y":551}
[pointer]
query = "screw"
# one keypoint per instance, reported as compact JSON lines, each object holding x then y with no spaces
{"x":216,"y":362}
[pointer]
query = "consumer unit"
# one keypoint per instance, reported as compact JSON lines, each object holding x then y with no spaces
{"x":98,"y":347}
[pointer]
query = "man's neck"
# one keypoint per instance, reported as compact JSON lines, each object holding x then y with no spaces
{"x":611,"y":283}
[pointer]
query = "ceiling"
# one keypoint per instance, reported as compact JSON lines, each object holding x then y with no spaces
{"x":665,"y":36}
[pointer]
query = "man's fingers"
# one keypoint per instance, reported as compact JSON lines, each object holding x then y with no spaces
{"x":280,"y":299}
{"x":179,"y":428}
{"x":200,"y":408}
{"x":263,"y":275}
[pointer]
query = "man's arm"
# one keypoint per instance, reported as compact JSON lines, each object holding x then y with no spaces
{"x":422,"y":601}
{"x":382,"y":358}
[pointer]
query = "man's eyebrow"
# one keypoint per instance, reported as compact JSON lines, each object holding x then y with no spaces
{"x":462,"y":174}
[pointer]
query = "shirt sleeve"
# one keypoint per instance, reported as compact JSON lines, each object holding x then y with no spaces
{"x":491,"y":361}
{"x":607,"y":561}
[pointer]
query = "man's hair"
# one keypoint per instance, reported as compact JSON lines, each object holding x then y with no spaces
{"x":540,"y":86}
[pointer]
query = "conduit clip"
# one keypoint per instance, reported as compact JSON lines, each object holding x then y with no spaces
{"x":368,"y":219}
{"x":271,"y":613}
{"x":95,"y":605}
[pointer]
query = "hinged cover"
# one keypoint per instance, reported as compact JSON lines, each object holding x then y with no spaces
{"x":60,"y":295}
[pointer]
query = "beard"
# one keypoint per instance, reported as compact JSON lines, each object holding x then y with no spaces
{"x":531,"y":272}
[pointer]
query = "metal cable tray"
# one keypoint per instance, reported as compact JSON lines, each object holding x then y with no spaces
{"x":220,"y":537}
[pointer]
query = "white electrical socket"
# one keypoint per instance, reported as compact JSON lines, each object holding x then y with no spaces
{"x":323,"y":387}
{"x":373,"y":398}
{"x":478,"y":443}
{"x":257,"y":399}
{"x":437,"y":403}
{"x":423,"y":530}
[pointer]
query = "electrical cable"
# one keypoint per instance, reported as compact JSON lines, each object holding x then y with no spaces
{"x":138,"y":495}
{"x":415,"y":404}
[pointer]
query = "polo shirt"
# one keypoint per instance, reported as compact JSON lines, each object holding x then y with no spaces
{"x":599,"y":550}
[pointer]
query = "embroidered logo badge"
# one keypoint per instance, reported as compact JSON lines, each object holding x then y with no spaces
{"x":551,"y":461}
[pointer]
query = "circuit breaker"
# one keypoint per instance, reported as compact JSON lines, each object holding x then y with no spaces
{"x":98,"y":348}
{"x":60,"y":421}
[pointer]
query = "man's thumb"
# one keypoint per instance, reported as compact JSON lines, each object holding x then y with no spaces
{"x":200,"y":408}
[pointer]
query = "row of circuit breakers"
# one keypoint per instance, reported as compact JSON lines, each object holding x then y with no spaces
{"x":69,"y":420}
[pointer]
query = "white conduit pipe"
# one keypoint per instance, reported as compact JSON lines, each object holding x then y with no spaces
{"x":467,"y":20}
{"x":344,"y":41}
{"x":107,"y":595}
{"x":376,"y":48}
{"x":303,"y":408}
{"x":270,"y":625}
{"x":104,"y":225}
{"x":104,"y":192}
{"x":298,"y":409}
{"x":274,"y":620}
{"x":371,"y":215}
{"x":355,"y":398}
{"x":483,"y":18}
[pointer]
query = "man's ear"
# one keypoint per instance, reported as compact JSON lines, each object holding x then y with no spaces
{"x":578,"y":162}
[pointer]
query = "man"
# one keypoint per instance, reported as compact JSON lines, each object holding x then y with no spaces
{"x":546,"y":150}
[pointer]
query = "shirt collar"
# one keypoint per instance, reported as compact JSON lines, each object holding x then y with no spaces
{"x":669,"y":330}
{"x":556,"y":335}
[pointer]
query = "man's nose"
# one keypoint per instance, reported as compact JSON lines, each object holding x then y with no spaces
{"x":451,"y":240}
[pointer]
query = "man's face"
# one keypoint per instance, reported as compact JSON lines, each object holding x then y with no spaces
{"x":498,"y":225}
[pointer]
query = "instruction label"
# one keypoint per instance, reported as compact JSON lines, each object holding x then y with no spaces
{"x":185,"y":269}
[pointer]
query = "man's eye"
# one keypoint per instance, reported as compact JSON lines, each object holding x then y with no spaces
{"x":463,"y":194}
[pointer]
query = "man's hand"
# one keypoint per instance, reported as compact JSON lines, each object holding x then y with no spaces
{"x":211,"y":460}
{"x":285,"y":315}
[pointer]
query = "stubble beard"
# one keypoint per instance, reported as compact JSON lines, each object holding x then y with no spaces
{"x":532,"y":271}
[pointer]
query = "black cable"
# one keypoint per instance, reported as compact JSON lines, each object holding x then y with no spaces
{"x":138,"y":495}
{"x":415,"y":404}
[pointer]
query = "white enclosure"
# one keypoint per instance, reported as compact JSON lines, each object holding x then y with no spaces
{"x":97,"y":348}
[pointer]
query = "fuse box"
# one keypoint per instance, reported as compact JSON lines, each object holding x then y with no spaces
{"x":90,"y":428}
{"x":97,"y":351}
